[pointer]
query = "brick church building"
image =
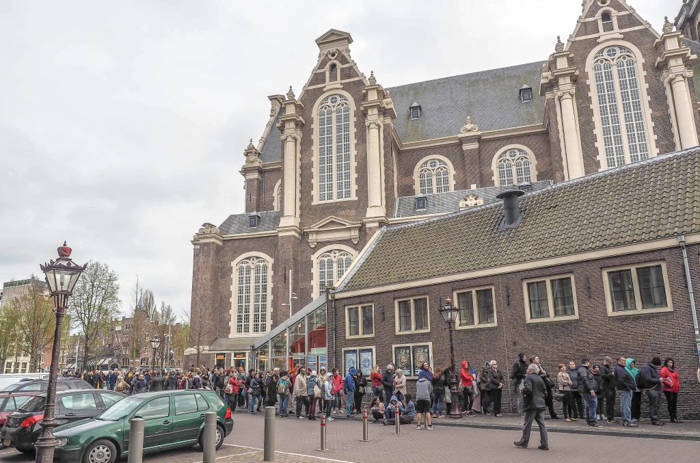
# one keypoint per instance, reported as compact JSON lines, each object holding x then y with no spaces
{"x":390,"y":195}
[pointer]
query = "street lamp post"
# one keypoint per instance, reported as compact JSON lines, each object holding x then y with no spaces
{"x":61,"y":276}
{"x":449,"y":313}
{"x":155,"y":342}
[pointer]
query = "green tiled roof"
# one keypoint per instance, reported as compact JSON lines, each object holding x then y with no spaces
{"x":649,"y":200}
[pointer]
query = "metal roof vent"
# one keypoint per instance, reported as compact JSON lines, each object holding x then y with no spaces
{"x":525,"y":93}
{"x":511,"y":209}
{"x":415,"y":110}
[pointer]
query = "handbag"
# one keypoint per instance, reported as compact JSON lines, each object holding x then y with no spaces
{"x":558,"y":396}
{"x":317,"y":391}
{"x":549,"y":384}
{"x":228,"y":389}
{"x":448,"y":396}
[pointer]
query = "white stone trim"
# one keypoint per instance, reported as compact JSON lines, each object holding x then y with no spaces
{"x":314,"y":265}
{"x":276,"y":193}
{"x":494,"y":163}
{"x":413,"y":329}
{"x":637,"y":295}
{"x":234,"y":294}
{"x":359,"y":307}
{"x":476,"y":324}
{"x":430,"y":157}
{"x":550,"y":299}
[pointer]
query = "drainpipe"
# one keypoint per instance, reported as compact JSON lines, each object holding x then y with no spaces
{"x":693,"y":308}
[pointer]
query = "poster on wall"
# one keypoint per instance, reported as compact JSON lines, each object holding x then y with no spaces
{"x":402,"y":358}
{"x":323,"y":362}
{"x":366,"y":362}
{"x":421,"y":354}
{"x":350,"y":360}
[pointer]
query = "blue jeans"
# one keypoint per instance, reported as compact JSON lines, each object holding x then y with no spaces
{"x":252,"y":399}
{"x":626,"y":406}
{"x":284,"y":404}
{"x":349,"y":402}
{"x":439,"y":404}
{"x":591,"y":406}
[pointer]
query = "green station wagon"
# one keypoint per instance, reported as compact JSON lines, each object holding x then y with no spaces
{"x":172,"y":419}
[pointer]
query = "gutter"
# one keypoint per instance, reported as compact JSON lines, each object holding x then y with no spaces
{"x":691,"y":294}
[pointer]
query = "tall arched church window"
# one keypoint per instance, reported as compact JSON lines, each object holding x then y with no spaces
{"x":334,"y":149}
{"x":434,"y":177}
{"x":331,"y":266}
{"x":514,"y":166}
{"x":252,"y":295}
{"x":276,"y":195}
{"x":620,"y":105}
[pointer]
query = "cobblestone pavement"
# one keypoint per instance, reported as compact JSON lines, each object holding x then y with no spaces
{"x":297,"y":441}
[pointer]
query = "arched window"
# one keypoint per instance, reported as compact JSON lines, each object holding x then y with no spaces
{"x":334,"y":180}
{"x":620,"y":105}
{"x":252,"y":295}
{"x":276,"y":195}
{"x":514,"y":166}
{"x":331,"y":266}
{"x":434,"y":177}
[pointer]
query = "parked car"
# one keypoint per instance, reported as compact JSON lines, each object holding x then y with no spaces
{"x":22,"y":427}
{"x":14,"y":378}
{"x":40,"y":385}
{"x":172,"y":419}
{"x":10,"y":402}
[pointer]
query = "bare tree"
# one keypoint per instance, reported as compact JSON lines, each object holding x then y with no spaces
{"x":95,"y":303}
{"x":36,"y":321}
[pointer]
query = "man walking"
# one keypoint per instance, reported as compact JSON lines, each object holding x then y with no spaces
{"x":534,"y":405}
{"x":588,"y":387}
{"x":652,"y":383}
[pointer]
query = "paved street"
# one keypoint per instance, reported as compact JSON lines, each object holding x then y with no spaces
{"x":297,"y":441}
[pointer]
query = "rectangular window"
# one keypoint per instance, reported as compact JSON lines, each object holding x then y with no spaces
{"x":361,"y":358}
{"x":476,"y":308}
{"x":412,"y":315}
{"x":635,"y":289}
{"x":550,"y":299}
{"x":359,"y":321}
{"x":410,"y":357}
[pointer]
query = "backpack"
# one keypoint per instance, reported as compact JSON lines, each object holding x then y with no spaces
{"x":639,"y":380}
{"x":197,"y":382}
{"x":282,"y":386}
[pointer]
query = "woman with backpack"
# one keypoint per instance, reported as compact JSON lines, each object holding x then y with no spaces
{"x":255,"y":393}
{"x":283,"y":393}
{"x":313,"y":390}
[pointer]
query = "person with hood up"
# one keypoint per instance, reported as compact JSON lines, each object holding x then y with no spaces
{"x":652,"y":384}
{"x":390,"y":411}
{"x":517,"y":375}
{"x":312,"y":384}
{"x":671,"y":385}
{"x":631,"y":367}
{"x":624,"y":382}
{"x":588,"y":387}
{"x":534,"y":391}
{"x":467,"y":376}
{"x":388,"y":383}
{"x":400,"y":385}
{"x":328,"y":396}
{"x":424,"y":391}
{"x":349,"y":385}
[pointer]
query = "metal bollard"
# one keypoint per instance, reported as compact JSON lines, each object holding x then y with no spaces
{"x":365,"y":426}
{"x":397,"y":420}
{"x":136,"y":430}
{"x":209,"y":439}
{"x":323,"y":434}
{"x":269,"y":451}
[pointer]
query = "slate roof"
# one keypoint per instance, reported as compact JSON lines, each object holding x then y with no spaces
{"x":491,"y":98}
{"x":237,"y":224}
{"x":272,"y":147}
{"x":650,"y":200}
{"x":442,"y":203}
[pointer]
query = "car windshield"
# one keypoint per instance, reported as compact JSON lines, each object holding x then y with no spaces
{"x":120,"y":409}
{"x":34,"y":404}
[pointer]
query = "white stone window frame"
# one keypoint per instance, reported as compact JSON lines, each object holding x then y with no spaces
{"x":413,"y":330}
{"x":316,"y":285}
{"x":419,"y":167}
{"x":328,"y":71}
{"x":431,"y":353}
{"x":360,"y":321}
{"x":475,"y":305}
{"x":644,"y":98}
{"x":637,"y":293}
{"x":550,"y":299}
{"x":315,"y":184}
{"x":277,"y":196}
{"x":613,"y":19}
{"x":494,"y":163}
{"x":234,"y":294}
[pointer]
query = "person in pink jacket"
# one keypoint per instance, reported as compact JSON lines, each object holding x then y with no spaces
{"x":671,"y":385}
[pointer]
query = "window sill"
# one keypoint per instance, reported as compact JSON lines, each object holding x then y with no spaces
{"x":360,"y":336}
{"x":401,"y":333}
{"x":552,"y":320}
{"x":639,"y":312}
{"x":332,"y":201}
{"x":476,"y":327}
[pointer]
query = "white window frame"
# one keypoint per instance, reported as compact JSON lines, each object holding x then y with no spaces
{"x":419,"y":166}
{"x":316,"y":273}
{"x":411,"y":345}
{"x":357,"y":350}
{"x":397,"y":319}
{"x":234,"y":295}
{"x":501,"y":152}
{"x":276,"y":196}
{"x":637,"y":293}
{"x":360,"y":320}
{"x":550,"y":299}
{"x":475,"y":305}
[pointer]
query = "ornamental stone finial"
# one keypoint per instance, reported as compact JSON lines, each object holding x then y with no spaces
{"x":290,"y":93}
{"x":469,"y":126}
{"x":250,"y":145}
{"x":372,"y":79}
{"x":668,"y":26}
{"x":559,"y":47}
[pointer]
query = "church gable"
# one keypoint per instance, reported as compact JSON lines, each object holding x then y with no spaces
{"x":608,"y":19}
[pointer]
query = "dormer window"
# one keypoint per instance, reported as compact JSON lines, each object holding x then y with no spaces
{"x":421,"y":203}
{"x":526,"y":94}
{"x":415,"y":111}
{"x":253,"y":220}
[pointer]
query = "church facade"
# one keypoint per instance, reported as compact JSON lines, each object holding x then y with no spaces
{"x":344,"y":158}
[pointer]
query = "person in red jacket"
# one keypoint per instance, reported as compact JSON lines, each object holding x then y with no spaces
{"x":467,"y":388}
{"x":235,"y":389}
{"x":671,"y":385}
{"x":337,"y":390}
{"x":376,"y":382}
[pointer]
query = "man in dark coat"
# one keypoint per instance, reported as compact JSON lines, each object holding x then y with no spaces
{"x":534,"y":392}
{"x":156,"y":383}
{"x":588,"y":387}
{"x":517,"y":375}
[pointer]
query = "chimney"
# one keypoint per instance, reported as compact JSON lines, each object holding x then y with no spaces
{"x":511,"y":210}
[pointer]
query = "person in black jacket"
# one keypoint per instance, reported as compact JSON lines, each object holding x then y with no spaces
{"x":495,"y":387}
{"x":534,"y":392}
{"x":517,"y":375}
{"x":607,"y":402}
{"x":652,"y":383}
{"x":439,"y":384}
{"x":624,"y":382}
{"x":156,"y":383}
{"x":388,"y":383}
{"x":588,"y":387}
{"x":360,"y":389}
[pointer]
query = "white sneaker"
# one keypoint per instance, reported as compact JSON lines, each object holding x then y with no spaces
{"x":330,"y":418}
{"x":418,"y":427}
{"x":300,"y":417}
{"x":429,"y":428}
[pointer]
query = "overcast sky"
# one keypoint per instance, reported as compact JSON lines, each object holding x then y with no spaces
{"x":123,"y":124}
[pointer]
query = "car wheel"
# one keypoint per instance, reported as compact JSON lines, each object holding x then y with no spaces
{"x":101,"y":451}
{"x":220,"y":434}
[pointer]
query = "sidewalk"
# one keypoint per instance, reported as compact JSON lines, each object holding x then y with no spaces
{"x":688,"y":430}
